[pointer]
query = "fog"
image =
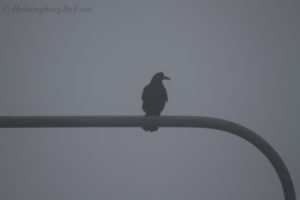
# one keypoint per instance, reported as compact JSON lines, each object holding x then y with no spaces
{"x":236,"y":60}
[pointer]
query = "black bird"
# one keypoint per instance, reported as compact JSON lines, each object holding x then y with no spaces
{"x":154,"y":98}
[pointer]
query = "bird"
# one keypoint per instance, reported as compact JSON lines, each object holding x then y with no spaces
{"x":154,"y":98}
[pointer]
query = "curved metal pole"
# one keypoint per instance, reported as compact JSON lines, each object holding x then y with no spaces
{"x":161,"y":121}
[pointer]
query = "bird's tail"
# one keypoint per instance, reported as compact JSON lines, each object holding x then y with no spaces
{"x":151,"y":128}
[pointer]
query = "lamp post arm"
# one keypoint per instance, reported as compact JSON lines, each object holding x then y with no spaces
{"x":160,"y":121}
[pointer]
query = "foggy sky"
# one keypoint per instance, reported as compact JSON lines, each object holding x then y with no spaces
{"x":237,"y":60}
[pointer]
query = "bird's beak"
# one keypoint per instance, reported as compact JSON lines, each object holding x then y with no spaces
{"x":166,"y":78}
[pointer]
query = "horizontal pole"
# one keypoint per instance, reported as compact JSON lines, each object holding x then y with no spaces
{"x":160,"y":121}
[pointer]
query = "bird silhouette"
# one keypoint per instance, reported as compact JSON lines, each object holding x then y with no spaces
{"x":154,"y":98}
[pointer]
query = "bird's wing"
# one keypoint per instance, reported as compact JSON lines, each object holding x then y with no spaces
{"x":144,"y":95}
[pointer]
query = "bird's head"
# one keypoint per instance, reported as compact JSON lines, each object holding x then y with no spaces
{"x":159,"y":77}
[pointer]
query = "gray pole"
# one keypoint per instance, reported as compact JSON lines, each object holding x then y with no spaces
{"x":161,"y":121}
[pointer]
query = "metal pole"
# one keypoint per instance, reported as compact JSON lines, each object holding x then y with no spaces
{"x":161,"y":121}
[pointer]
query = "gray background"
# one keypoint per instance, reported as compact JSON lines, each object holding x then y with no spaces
{"x":237,"y":60}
